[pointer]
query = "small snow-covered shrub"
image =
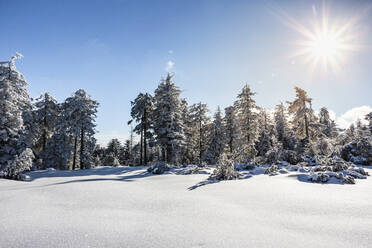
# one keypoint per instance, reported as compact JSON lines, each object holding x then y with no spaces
{"x":245,"y":166}
{"x":111,"y":160}
{"x":193,"y":170}
{"x":319,"y":177}
{"x":291,"y":157}
{"x":272,"y":170}
{"x":225,"y":169}
{"x":203,"y":164}
{"x":13,"y":169}
{"x":355,"y":174}
{"x":97,"y":161}
{"x":158,"y":167}
{"x":348,"y":180}
{"x":293,"y":167}
{"x":359,"y":152}
{"x":337,"y":168}
{"x":360,"y":170}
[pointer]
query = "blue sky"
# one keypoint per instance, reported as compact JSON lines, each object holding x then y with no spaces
{"x":116,"y":49}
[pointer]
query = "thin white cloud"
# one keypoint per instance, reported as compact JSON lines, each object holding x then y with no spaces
{"x":170,"y":51}
{"x":170,"y":65}
{"x":352,"y":115}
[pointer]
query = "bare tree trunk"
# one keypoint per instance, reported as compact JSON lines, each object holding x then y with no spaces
{"x":163,"y":151}
{"x":131,"y":144}
{"x":74,"y":160}
{"x":44,"y":131}
{"x":144,"y":136}
{"x":82,"y":162}
{"x":306,"y":127}
{"x":200,"y":135}
{"x":141,"y":142}
{"x":200,"y":142}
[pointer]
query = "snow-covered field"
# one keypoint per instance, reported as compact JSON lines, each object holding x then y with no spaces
{"x":128,"y":207}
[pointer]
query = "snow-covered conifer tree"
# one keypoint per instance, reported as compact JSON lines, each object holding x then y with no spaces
{"x":368,"y":117}
{"x":328,"y":126}
{"x":44,"y":116}
{"x":230,"y":122}
{"x":81,"y":111}
{"x":200,"y":128}
{"x":189,"y":153}
{"x":303,"y":120}
{"x":114,"y":147}
{"x":266,"y":133}
{"x":58,"y":149}
{"x":217,"y":137}
{"x":168,"y":125}
{"x":283,"y":132}
{"x":142,"y":111}
{"x":15,"y":154}
{"x":246,"y":110}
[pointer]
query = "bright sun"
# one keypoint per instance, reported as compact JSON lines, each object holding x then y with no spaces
{"x":324,"y":44}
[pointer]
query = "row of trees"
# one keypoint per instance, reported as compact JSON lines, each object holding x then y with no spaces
{"x":171,"y":130}
{"x":42,"y":132}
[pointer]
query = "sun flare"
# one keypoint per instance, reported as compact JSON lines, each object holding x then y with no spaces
{"x":327,"y":42}
{"x":325,"y":45}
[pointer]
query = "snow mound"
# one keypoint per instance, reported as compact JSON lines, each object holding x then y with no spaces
{"x":159,"y":168}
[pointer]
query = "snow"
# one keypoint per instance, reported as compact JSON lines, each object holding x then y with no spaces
{"x":129,"y":207}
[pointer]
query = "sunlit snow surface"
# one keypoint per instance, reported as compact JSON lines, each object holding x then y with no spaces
{"x":128,"y":207}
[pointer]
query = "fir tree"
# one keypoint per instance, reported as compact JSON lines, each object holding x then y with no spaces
{"x":45,"y":117}
{"x":217,"y":138}
{"x":142,"y":110}
{"x":15,"y":156}
{"x":266,"y":133}
{"x":282,"y":129}
{"x":303,"y":115}
{"x":168,"y":125}
{"x":81,"y":110}
{"x":368,"y":117}
{"x":200,"y":125}
{"x":230,"y":122}
{"x":114,"y":147}
{"x":328,"y":126}
{"x":246,"y":110}
{"x":189,"y":153}
{"x":58,"y":149}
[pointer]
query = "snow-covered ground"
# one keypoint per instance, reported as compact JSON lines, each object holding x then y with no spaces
{"x":128,"y":207}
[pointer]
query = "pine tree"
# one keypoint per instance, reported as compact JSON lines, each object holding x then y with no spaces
{"x":142,"y":111}
{"x":217,"y":138}
{"x":368,"y":117}
{"x":303,"y":115}
{"x":266,"y":133}
{"x":230,"y":128}
{"x":114,"y":147}
{"x":328,"y":126}
{"x":81,"y":110}
{"x":282,"y":129}
{"x":246,"y":110}
{"x":125,"y":156}
{"x":188,"y":154}
{"x":58,"y":149}
{"x":200,"y":125}
{"x":45,"y":118}
{"x":15,"y":156}
{"x":168,"y":125}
